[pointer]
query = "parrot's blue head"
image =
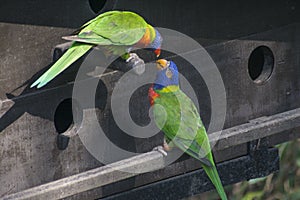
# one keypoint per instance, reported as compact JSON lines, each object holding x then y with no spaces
{"x":156,"y":43}
{"x":167,"y":74}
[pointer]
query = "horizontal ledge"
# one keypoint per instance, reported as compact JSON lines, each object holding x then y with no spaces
{"x":255,"y":129}
{"x":93,"y":178}
{"x":196,"y":182}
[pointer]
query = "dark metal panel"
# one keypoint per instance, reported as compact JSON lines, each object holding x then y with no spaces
{"x":116,"y":173}
{"x":25,"y":50}
{"x":210,"y":19}
{"x":93,"y":178}
{"x":246,"y":99}
{"x":192,"y":183}
{"x":67,"y":13}
{"x":215,"y":19}
{"x":33,"y":122}
{"x":29,"y":155}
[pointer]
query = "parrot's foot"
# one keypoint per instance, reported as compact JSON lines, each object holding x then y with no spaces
{"x":167,"y":147}
{"x":161,"y":150}
{"x":136,"y":63}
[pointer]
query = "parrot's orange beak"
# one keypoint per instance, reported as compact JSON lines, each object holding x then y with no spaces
{"x":161,"y":64}
{"x":157,"y":52}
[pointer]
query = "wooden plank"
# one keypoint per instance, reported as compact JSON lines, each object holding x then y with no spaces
{"x":93,"y":178}
{"x":256,"y":129}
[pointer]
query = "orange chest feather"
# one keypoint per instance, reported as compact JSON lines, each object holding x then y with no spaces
{"x":145,"y":40}
{"x":152,"y":95}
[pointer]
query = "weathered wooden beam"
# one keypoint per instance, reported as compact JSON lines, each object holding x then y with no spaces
{"x":196,"y":182}
{"x":256,"y":129}
{"x":93,"y":178}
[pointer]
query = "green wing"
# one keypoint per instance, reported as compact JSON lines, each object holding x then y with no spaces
{"x":182,"y":123}
{"x":116,"y":30}
{"x":177,"y":116}
{"x":112,"y":28}
{"x":100,"y":16}
{"x":72,"y":54}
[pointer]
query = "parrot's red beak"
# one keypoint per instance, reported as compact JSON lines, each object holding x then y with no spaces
{"x":157,"y":52}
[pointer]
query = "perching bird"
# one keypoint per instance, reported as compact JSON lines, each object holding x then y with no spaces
{"x":118,"y":32}
{"x":176,"y":115}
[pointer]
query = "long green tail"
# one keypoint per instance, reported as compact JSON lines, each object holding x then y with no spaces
{"x":215,"y":179}
{"x":76,"y":51}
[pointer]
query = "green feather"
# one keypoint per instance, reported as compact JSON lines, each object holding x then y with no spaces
{"x":176,"y":115}
{"x":72,"y":54}
{"x":120,"y":28}
{"x":213,"y":175}
{"x":116,"y":31}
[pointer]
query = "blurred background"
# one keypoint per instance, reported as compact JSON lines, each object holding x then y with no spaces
{"x":283,"y":185}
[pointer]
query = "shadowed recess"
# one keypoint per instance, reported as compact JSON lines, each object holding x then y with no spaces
{"x":64,"y":115}
{"x":96,"y":5}
{"x":261,"y":64}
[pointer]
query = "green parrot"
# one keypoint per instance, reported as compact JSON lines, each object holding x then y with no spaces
{"x":118,"y":32}
{"x":176,"y":115}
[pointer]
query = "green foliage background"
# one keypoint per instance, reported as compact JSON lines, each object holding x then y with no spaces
{"x":283,"y":185}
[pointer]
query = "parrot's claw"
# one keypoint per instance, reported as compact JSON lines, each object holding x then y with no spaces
{"x":167,"y":147}
{"x":132,"y":56}
{"x":161,"y":150}
{"x":136,"y":63}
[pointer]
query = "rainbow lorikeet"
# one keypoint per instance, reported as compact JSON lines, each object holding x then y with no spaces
{"x":116,"y":31}
{"x":176,"y":115}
